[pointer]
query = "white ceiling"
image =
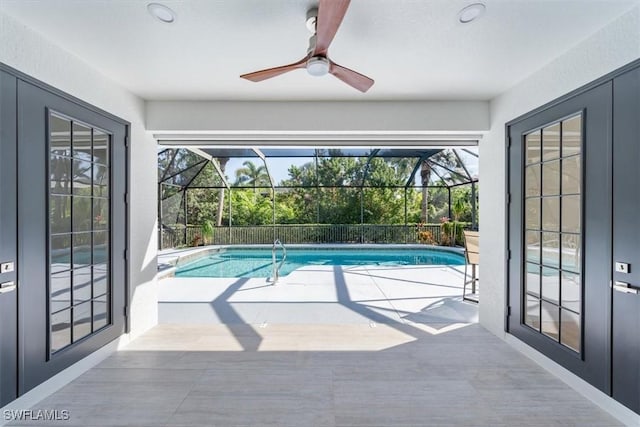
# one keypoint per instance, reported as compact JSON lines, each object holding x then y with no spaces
{"x":414,"y":49}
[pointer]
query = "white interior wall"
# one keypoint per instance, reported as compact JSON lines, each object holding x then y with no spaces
{"x":31,"y":53}
{"x":318,"y":116}
{"x":608,"y":49}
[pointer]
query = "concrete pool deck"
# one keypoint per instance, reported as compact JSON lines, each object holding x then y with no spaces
{"x":428,"y":295}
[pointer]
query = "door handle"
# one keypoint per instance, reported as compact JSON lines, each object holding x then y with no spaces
{"x":7,"y":287}
{"x":625,"y":287}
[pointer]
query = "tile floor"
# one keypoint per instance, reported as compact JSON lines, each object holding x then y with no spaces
{"x":320,"y":375}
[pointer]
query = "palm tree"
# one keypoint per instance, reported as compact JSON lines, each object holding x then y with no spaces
{"x":255,"y":176}
{"x":445,"y":158}
{"x":425,"y":177}
{"x":458,"y":208}
{"x":222,"y":163}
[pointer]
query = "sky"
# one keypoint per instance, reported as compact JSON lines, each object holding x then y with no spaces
{"x":278,"y":166}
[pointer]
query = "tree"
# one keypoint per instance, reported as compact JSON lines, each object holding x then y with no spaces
{"x":206,"y":228}
{"x":252,"y":175}
{"x":332,"y":189}
{"x":384,"y":190}
{"x":461,"y":207}
{"x":335,"y":192}
{"x":442,"y":160}
{"x":222,"y":163}
{"x":251,"y":208}
{"x":425,"y":179}
{"x":300,"y":194}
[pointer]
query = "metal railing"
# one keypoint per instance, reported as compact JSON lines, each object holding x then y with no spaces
{"x":178,"y":236}
{"x":276,"y":267}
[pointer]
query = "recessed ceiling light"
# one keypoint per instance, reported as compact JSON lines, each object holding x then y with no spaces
{"x":471,"y":13}
{"x":161,"y":12}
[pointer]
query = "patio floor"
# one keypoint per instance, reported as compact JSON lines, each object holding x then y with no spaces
{"x":370,"y":347}
{"x":320,"y":375}
{"x":322,"y":294}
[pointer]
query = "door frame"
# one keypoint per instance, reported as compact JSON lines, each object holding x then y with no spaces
{"x":8,"y":245}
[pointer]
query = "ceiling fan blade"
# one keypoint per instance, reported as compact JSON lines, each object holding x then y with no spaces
{"x":258,"y":76}
{"x":330,"y":15}
{"x":350,"y":77}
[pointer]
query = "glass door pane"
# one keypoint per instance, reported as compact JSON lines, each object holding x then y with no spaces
{"x":78,"y":230}
{"x":553,"y":218}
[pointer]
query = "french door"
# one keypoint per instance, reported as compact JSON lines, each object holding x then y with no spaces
{"x":574,"y":235}
{"x":63,"y":229}
{"x":560,"y":182}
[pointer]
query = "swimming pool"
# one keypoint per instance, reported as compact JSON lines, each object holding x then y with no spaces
{"x":232,"y":262}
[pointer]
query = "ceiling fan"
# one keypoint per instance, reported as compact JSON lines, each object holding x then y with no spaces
{"x":323,"y":22}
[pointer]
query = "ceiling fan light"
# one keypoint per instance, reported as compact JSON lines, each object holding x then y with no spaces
{"x":471,"y":13}
{"x":318,"y":66}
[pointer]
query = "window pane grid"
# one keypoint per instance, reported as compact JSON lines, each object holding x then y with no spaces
{"x":84,"y":196}
{"x":550,"y":196}
{"x":575,"y":156}
{"x":79,"y":231}
{"x":570,"y":310}
{"x":552,"y":231}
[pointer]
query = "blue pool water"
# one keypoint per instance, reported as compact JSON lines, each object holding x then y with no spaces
{"x":258,"y":263}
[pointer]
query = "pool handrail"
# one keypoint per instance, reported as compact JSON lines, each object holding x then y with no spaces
{"x":276,"y":268}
